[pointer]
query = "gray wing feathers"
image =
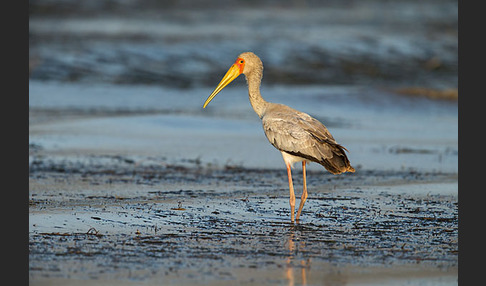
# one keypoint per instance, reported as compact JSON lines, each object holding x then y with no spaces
{"x":299,"y":134}
{"x":295,"y":135}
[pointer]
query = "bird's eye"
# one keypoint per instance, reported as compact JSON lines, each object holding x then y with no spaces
{"x":242,"y":61}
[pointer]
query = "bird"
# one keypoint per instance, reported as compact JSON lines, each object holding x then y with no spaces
{"x":298,"y":136}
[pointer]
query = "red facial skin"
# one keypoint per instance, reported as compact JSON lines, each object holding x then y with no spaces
{"x":240,"y":63}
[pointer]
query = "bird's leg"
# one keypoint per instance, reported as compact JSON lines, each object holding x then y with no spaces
{"x":304,"y":192}
{"x":292,"y":195}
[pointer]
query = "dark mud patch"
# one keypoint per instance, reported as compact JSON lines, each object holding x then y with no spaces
{"x":99,"y":169}
{"x":140,"y":219}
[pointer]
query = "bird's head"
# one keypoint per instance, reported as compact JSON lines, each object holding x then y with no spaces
{"x":246,"y":63}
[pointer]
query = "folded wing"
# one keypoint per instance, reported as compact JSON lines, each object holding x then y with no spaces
{"x":299,"y":134}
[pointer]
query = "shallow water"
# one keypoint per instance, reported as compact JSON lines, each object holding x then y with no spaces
{"x":382,"y":130}
{"x":132,"y":182}
{"x":141,"y":185}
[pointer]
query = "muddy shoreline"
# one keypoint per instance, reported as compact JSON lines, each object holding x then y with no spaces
{"x":115,"y":218}
{"x":148,"y":189}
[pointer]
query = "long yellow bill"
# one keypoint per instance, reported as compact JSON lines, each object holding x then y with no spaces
{"x":230,"y":75}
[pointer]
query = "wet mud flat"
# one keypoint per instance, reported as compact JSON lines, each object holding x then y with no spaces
{"x":133,"y":185}
{"x":131,"y":182}
{"x":109,"y":220}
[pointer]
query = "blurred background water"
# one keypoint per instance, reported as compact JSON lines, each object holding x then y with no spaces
{"x":191,"y":43}
{"x":382,"y":75}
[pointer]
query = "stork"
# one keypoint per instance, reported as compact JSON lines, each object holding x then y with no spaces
{"x":297,"y":135}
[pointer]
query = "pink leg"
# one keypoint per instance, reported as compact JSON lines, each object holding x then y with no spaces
{"x":304,"y":192}
{"x":292,"y":195}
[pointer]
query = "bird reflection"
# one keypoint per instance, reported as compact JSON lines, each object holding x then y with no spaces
{"x":297,"y":263}
{"x":294,"y":246}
